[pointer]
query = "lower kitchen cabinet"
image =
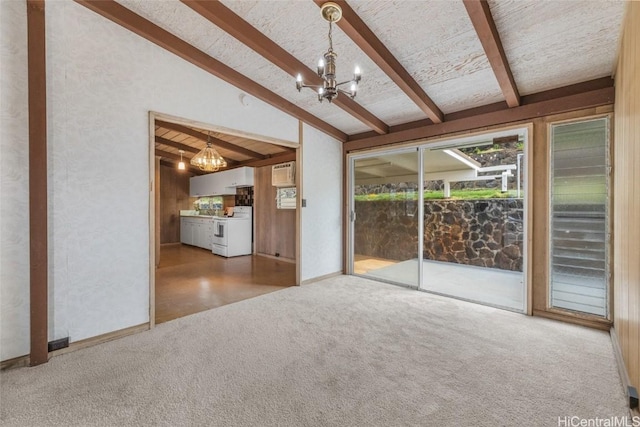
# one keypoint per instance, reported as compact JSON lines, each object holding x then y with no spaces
{"x":186,"y":231}
{"x":196,"y":231}
{"x":202,"y":235}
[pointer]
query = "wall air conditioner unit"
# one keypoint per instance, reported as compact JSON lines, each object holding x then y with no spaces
{"x":283,"y":175}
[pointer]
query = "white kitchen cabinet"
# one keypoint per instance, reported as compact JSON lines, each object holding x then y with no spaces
{"x":196,"y":231}
{"x":202,"y":234}
{"x":197,"y":186}
{"x":208,"y":185}
{"x":186,"y":231}
{"x":239,"y":177}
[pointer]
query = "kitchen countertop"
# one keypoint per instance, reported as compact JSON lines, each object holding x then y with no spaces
{"x":196,"y":216}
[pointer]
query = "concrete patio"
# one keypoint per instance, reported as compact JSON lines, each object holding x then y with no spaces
{"x":489,"y":286}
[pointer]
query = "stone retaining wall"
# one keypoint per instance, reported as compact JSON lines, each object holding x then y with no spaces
{"x":486,"y":233}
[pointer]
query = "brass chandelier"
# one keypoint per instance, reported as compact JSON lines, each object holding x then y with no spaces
{"x":208,"y":159}
{"x":329,"y":89}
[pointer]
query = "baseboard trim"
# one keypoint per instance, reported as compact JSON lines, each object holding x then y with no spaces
{"x":279,"y":258}
{"x":319,"y":278}
{"x":603,"y":325}
{"x":622,"y":368}
{"x":100,"y":339}
{"x":16,"y":362}
{"x":617,"y":351}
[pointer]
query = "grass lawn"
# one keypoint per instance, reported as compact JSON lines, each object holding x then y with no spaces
{"x":468,"y":194}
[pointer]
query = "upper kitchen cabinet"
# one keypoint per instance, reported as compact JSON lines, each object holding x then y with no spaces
{"x":209,"y":185}
{"x":196,"y":186}
{"x":239,"y":177}
{"x":221,"y":183}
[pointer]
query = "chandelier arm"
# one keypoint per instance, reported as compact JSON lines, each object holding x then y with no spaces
{"x":312,"y":86}
{"x":344,"y":83}
{"x":346,"y":92}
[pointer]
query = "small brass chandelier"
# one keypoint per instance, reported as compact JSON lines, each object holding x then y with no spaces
{"x":329,"y":89}
{"x":208,"y":159}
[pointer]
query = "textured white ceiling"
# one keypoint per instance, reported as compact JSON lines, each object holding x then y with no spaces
{"x":437,"y":44}
{"x":548,"y":44}
{"x":551,"y":44}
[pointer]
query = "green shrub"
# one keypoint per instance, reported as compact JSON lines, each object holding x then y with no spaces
{"x":468,"y":194}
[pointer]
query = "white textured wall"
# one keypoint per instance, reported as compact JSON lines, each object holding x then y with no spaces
{"x":322,"y":218}
{"x":14,"y":182}
{"x":102,"y":82}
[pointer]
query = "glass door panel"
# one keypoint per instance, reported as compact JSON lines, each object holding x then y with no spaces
{"x":580,"y":217}
{"x":474,"y":221}
{"x":385,"y":217}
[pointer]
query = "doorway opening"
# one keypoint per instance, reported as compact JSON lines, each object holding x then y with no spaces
{"x":192,"y":210}
{"x":448,"y":217}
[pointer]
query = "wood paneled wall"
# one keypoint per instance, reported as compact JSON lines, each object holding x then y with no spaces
{"x":275,"y":228}
{"x":174,"y":196}
{"x":626,"y":230}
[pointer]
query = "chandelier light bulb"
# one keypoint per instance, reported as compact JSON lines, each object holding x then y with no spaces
{"x":299,"y":82}
{"x":354,"y":89}
{"x":321,"y":67}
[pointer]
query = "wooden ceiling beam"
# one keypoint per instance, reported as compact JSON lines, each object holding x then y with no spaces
{"x":234,"y":25}
{"x":171,"y":162}
{"x":274,"y":160}
{"x":204,"y":137}
{"x":547,"y":95}
{"x":177,"y":145}
{"x":172,"y":156}
{"x":175,"y":158}
{"x":461,"y":121}
{"x":482,"y":21}
{"x":150,"y":31}
{"x":371,"y":45}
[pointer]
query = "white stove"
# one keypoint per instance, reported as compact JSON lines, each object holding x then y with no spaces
{"x":232,"y":235}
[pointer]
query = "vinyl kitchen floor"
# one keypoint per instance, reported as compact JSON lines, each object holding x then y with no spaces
{"x":190,"y":280}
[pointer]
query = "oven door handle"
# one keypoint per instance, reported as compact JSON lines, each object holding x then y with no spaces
{"x":218,"y":228}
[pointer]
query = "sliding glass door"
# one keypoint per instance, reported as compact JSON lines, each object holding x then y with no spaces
{"x":474,"y":221}
{"x":447,"y":218}
{"x":384,"y":217}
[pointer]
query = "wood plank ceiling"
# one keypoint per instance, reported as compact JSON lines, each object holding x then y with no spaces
{"x":429,"y":67}
{"x":170,"y":138}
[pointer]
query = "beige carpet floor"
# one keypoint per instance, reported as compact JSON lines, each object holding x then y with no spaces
{"x":345,"y":351}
